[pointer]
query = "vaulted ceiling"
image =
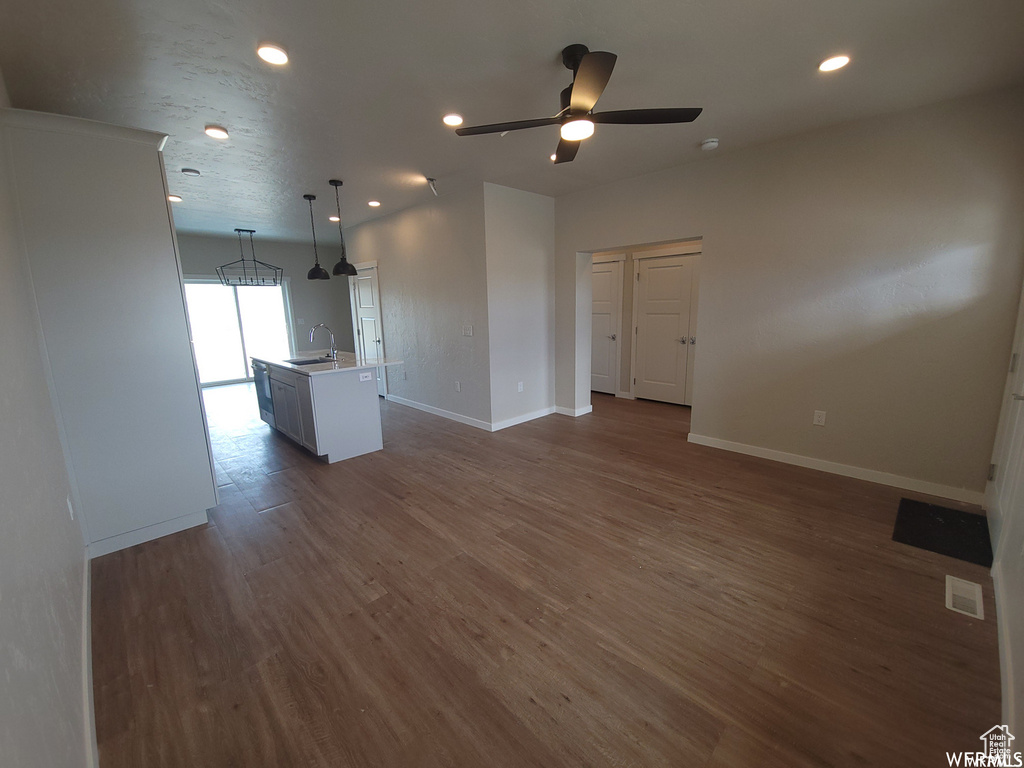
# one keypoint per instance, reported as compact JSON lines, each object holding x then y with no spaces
{"x":368,"y":82}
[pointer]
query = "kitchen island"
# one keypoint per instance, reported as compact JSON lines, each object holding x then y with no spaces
{"x":328,"y":406}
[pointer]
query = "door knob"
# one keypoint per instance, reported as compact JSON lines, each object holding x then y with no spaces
{"x":682,"y":340}
{"x":693,"y":339}
{"x":612,"y":337}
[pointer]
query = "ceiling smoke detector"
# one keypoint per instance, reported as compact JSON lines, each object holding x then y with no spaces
{"x":709,"y":144}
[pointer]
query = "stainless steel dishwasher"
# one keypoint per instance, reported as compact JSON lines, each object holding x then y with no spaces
{"x":261,"y":377}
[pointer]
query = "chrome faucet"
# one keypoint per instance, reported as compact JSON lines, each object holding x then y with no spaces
{"x":334,"y":349}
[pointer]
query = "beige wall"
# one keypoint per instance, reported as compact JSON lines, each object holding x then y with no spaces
{"x":433,"y":281}
{"x":44,"y":717}
{"x":313,"y":301}
{"x":520,"y":235}
{"x":870,"y":270}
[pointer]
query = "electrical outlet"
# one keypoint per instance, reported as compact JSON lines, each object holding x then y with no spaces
{"x":71,"y":510}
{"x":467,"y":330}
{"x":520,"y":386}
{"x":458,"y":386}
{"x":819,"y":419}
{"x":365,"y":375}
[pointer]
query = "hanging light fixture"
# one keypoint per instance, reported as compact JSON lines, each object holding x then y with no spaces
{"x":317,"y":272}
{"x":249,"y":271}
{"x":342,"y":267}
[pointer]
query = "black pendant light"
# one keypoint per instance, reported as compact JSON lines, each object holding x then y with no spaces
{"x":317,"y":272}
{"x":342,"y":267}
{"x":249,"y":271}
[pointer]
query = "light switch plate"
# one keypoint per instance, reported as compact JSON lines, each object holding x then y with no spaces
{"x":365,"y":375}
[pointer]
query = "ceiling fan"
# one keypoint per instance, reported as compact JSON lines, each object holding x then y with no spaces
{"x":590,"y":73}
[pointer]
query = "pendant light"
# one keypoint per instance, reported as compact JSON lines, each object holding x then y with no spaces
{"x":342,"y":267}
{"x":317,"y":272}
{"x":249,"y":271}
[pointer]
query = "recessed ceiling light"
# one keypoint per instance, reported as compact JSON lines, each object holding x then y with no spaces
{"x":452,"y":119}
{"x":272,"y":54}
{"x":216,"y":132}
{"x":553,"y":157}
{"x":577,"y":130}
{"x":836,"y":62}
{"x":709,"y":144}
{"x":374,"y":203}
{"x":334,"y":218}
{"x":190,"y":171}
{"x":174,"y":198}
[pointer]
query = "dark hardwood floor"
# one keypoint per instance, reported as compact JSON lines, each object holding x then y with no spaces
{"x":567,"y":592}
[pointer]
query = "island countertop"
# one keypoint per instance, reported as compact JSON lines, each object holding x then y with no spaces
{"x":347,"y":361}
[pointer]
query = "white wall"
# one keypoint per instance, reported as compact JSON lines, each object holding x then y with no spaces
{"x":313,"y":301}
{"x":520,"y":237}
{"x":44,"y":715}
{"x":433,"y":281}
{"x":107,"y":284}
{"x":870,"y":270}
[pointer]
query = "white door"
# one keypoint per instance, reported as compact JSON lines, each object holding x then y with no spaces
{"x":366,"y":323}
{"x":606,"y":327}
{"x":662,"y":307}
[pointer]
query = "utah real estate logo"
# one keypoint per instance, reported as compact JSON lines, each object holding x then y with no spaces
{"x":997,"y":750}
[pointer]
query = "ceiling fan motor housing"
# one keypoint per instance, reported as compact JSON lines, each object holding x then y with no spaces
{"x":572,"y":55}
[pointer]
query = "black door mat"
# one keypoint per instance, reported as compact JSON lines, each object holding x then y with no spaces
{"x":962,"y":535}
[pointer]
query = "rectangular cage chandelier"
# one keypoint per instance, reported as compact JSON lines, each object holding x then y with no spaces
{"x":249,"y":271}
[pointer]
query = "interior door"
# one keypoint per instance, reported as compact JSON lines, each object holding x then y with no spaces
{"x":663,"y":328}
{"x":366,"y":320}
{"x":606,"y":327}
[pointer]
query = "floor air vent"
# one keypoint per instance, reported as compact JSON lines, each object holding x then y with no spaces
{"x":964,"y":597}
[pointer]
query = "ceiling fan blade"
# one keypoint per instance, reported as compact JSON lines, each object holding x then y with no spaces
{"x":648,"y":116}
{"x":566,"y":151}
{"x":591,"y":79}
{"x":518,"y":125}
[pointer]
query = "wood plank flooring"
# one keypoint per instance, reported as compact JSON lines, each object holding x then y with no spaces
{"x":567,"y":592}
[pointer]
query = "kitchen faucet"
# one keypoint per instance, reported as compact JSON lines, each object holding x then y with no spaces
{"x":334,"y":349}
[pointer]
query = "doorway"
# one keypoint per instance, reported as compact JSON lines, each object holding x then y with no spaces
{"x":644,"y":321}
{"x":232,"y":323}
{"x":366,"y":319}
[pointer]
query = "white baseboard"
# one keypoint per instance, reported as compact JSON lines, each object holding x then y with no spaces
{"x":496,"y":425}
{"x":871,"y":475}
{"x":150,"y":532}
{"x":92,"y":752}
{"x":441,"y":412}
{"x":626,"y":395}
{"x":1004,"y":604}
{"x":574,"y":412}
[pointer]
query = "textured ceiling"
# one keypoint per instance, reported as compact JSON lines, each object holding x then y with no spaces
{"x":363,"y":95}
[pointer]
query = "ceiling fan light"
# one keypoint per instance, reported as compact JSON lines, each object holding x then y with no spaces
{"x":578,"y":129}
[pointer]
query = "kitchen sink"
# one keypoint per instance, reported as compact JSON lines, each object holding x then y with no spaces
{"x":310,"y":361}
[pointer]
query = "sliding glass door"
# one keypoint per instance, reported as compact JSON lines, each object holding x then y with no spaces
{"x":230,"y":324}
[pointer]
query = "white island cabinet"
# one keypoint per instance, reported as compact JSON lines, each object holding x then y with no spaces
{"x":330,"y":407}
